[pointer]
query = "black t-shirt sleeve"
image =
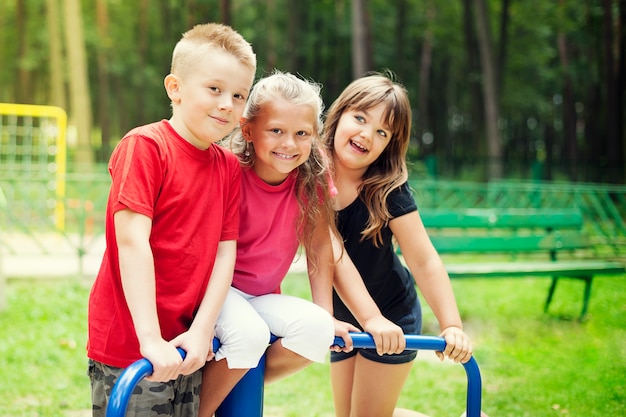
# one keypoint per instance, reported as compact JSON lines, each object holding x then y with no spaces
{"x":401,"y":201}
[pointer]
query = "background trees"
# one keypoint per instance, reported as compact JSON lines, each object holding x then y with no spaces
{"x":540,"y":84}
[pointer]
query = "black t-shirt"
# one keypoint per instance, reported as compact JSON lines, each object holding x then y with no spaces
{"x":388,"y":281}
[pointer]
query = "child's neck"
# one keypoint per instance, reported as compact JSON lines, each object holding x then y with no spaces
{"x":270,"y":177}
{"x":347,"y":182}
{"x":349,"y":176}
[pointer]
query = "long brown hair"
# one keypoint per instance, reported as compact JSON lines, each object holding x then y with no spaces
{"x":389,"y":171}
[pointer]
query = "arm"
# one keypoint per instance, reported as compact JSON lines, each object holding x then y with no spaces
{"x":432,"y":279}
{"x":138,"y":282}
{"x":348,"y":283}
{"x":197,"y":341}
{"x":321,"y":281}
{"x":320,"y":274}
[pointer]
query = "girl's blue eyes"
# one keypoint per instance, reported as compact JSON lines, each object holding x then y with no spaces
{"x":299,"y":133}
{"x":361,"y":119}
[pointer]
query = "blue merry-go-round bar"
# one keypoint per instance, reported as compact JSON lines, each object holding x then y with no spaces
{"x":246,"y":399}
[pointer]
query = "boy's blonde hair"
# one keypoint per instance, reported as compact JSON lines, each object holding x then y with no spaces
{"x":312,"y":183}
{"x":196,"y":39}
{"x":389,"y":171}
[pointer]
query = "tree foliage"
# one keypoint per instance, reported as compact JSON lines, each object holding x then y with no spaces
{"x":559,"y":70}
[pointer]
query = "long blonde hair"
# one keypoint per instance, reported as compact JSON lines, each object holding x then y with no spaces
{"x":389,"y":171}
{"x":313,"y":176}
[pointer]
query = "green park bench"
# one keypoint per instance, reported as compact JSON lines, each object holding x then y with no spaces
{"x":518,"y":243}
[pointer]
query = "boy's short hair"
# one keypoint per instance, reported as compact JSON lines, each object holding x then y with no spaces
{"x":210,"y":34}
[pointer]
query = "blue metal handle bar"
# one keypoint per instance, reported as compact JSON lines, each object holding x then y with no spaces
{"x":414,"y":342}
{"x":123,"y":388}
{"x":128,"y":380}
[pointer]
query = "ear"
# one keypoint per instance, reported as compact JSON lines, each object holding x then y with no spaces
{"x":245,"y":129}
{"x":172,"y":87}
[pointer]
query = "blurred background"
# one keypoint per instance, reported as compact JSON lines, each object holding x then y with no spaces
{"x":514,"y":96}
{"x":516,"y":104}
{"x":528,"y":89}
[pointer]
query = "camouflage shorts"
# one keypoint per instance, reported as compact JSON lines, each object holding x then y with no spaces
{"x":179,"y":397}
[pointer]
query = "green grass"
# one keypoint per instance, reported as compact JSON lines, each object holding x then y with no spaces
{"x":42,"y":349}
{"x":532,"y":364}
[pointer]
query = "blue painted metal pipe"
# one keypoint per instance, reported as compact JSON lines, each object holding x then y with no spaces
{"x":246,"y":399}
{"x":125,"y":384}
{"x":414,"y":342}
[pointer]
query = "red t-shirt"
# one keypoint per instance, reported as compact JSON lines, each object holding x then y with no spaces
{"x":267,"y":236}
{"x":192,"y":197}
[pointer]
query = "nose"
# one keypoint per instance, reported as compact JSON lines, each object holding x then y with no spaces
{"x":289,"y":140}
{"x":367,"y":132}
{"x":226,"y":102}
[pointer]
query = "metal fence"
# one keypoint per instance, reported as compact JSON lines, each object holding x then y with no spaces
{"x":28,"y":230}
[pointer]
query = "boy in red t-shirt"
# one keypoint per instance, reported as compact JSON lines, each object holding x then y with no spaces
{"x":171,"y":227}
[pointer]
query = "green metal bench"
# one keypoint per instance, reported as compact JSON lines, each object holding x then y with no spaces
{"x":525,"y":243}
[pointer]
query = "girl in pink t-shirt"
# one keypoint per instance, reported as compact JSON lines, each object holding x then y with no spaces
{"x":285,"y":203}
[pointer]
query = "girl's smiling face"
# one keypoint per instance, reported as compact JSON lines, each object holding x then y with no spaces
{"x":282,"y":134}
{"x":361,"y":136}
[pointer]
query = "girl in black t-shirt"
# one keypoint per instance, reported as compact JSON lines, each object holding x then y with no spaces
{"x":367,"y":136}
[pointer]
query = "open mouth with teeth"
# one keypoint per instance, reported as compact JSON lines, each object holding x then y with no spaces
{"x":284,"y":156}
{"x":358,"y":147}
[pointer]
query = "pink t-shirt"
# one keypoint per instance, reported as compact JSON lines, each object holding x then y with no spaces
{"x":268,"y":240}
{"x":192,"y":197}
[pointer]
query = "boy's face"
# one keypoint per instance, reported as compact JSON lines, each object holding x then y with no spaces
{"x":209,"y":100}
{"x":282,"y":134}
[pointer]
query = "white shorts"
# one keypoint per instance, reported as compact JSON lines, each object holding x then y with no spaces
{"x":245,"y":323}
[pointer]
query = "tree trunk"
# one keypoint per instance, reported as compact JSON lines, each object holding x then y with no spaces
{"x":22,"y":92}
{"x":271,"y":58}
{"x":401,"y":44}
{"x":55,"y":37}
{"x":292,"y":38}
{"x":614,"y":146}
{"x":225,"y":12}
{"x":80,"y":102}
{"x":621,"y":87}
{"x":360,"y":32}
{"x":570,"y":142}
{"x":423,"y":128}
{"x":143,"y":43}
{"x":102,"y":21}
{"x":489,"y":79}
{"x":503,"y":43}
{"x":475,"y":144}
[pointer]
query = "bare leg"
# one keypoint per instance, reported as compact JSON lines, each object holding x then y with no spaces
{"x":402,"y":412}
{"x":281,"y":363}
{"x":357,"y":388}
{"x":342,"y":375}
{"x":217,"y":382}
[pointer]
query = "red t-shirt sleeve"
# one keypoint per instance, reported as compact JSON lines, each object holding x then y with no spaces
{"x":232,"y":201}
{"x":136,"y":174}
